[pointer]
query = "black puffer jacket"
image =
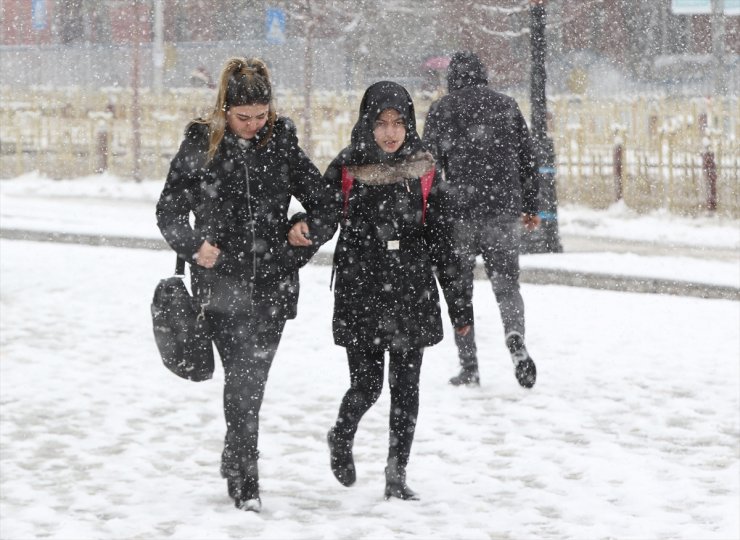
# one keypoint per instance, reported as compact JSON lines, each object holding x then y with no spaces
{"x":385,"y":292}
{"x":481,"y":142}
{"x":240,"y":200}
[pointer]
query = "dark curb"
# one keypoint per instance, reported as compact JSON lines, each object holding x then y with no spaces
{"x":537,"y":276}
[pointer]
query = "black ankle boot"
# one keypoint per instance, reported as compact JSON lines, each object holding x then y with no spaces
{"x":249,"y":498}
{"x":342,"y":462}
{"x":242,"y":484}
{"x":395,"y":483}
{"x":468,"y":376}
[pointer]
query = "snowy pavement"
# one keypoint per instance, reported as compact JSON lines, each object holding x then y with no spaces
{"x":632,"y":431}
{"x":615,"y":249}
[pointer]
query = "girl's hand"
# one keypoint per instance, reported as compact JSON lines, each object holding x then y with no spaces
{"x":207,"y":255}
{"x":463,"y":330}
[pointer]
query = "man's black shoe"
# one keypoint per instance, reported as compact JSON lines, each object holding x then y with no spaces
{"x":524,"y":368}
{"x":467,"y":377}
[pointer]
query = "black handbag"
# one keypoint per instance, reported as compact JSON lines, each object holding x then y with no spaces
{"x":181,"y":330}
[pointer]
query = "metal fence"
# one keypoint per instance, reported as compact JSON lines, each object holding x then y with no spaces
{"x":680,"y":154}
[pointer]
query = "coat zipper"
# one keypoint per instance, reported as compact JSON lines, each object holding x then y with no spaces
{"x":254,"y":239}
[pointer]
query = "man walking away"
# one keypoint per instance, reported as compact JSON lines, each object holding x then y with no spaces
{"x":481,"y":143}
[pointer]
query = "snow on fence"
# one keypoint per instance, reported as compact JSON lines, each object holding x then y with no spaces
{"x":679,"y":154}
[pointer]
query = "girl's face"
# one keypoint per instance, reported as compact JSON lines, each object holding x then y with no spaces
{"x":247,"y":120}
{"x":389,"y":130}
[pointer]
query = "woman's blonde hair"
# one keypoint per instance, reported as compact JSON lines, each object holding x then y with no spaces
{"x":243,"y":81}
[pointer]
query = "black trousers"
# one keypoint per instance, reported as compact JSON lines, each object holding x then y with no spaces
{"x":366,"y":370}
{"x":247,"y":346}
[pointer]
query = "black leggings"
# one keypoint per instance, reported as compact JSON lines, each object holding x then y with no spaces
{"x":366,"y":377}
{"x":247,"y":347}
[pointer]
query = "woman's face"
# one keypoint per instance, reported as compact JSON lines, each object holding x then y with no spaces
{"x":389,"y":130}
{"x":247,"y":120}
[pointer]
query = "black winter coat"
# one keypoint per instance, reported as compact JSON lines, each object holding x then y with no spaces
{"x":385,"y":294}
{"x":481,"y":142}
{"x":240,"y":200}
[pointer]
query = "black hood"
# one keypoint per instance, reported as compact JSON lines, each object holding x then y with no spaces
{"x":465,"y":69}
{"x":378,"y":97}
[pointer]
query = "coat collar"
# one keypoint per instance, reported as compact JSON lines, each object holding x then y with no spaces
{"x":378,"y":174}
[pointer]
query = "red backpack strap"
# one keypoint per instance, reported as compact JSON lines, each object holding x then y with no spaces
{"x":426,"y":186}
{"x":347,"y":180}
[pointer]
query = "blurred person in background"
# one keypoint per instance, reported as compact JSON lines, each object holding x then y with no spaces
{"x":385,"y":294}
{"x":489,"y":191}
{"x":201,"y":77}
{"x":236,"y":171}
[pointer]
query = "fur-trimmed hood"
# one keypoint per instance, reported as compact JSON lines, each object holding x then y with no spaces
{"x":379,"y":174}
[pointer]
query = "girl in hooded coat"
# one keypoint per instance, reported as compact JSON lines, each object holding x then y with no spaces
{"x":385,"y":295}
{"x":236,"y":171}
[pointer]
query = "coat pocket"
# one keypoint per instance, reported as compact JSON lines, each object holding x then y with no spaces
{"x":225,"y":294}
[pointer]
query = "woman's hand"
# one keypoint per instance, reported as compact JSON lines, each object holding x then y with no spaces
{"x":207,"y":255}
{"x":463,"y":330}
{"x":298,"y":235}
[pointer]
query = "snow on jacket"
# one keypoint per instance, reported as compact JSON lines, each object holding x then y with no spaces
{"x":481,"y":142}
{"x":240,"y":200}
{"x":385,"y":294}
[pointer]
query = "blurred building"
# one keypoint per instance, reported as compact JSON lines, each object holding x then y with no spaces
{"x":594,"y":45}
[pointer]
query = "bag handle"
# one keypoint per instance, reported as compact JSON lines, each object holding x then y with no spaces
{"x":180,"y":266}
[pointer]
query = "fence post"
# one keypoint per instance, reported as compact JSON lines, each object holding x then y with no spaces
{"x":709,"y":167}
{"x":101,"y":147}
{"x":101,"y":138}
{"x":618,"y":162}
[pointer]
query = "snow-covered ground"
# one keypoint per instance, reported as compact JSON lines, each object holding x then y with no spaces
{"x":105,"y":205}
{"x":632,"y":431}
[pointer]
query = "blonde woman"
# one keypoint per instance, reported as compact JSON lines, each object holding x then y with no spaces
{"x":236,"y":171}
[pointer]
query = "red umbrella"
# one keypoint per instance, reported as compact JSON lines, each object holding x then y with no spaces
{"x":436,"y":62}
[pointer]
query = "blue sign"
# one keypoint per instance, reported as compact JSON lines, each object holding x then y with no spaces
{"x":275,"y":26}
{"x":38,"y":14}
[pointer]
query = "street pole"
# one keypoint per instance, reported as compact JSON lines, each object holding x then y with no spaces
{"x":718,"y":47}
{"x":135,"y":104}
{"x":307,"y":142}
{"x":546,"y":238}
{"x":157,"y":47}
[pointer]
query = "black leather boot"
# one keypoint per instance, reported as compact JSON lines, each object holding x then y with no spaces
{"x":249,"y":499}
{"x":395,"y":482}
{"x":242,"y":484}
{"x":342,"y":462}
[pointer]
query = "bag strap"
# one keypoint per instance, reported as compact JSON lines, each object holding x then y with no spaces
{"x":426,"y":186}
{"x":179,"y":266}
{"x":347,"y":181}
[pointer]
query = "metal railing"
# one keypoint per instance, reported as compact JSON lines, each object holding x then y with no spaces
{"x":680,"y":154}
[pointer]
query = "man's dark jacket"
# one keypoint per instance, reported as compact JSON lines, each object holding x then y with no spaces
{"x":481,"y":142}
